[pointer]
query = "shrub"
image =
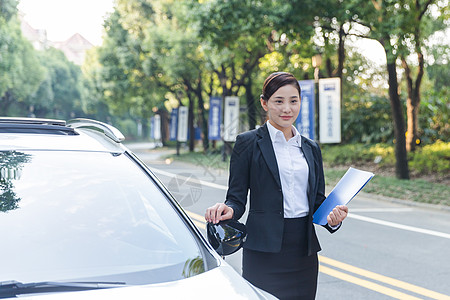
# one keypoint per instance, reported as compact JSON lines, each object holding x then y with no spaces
{"x":433,"y":158}
{"x":354,"y":153}
{"x":434,"y":114}
{"x":428,"y":159}
{"x":367,"y":120}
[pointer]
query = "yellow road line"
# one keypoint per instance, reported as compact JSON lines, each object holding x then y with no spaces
{"x":199,"y":224}
{"x":365,"y":283}
{"x":199,"y":221}
{"x":391,"y":281}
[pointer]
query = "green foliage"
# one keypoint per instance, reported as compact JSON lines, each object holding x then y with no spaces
{"x":59,"y":94}
{"x":366,"y":120}
{"x":20,"y":73}
{"x":44,"y":80}
{"x":124,"y":84}
{"x":429,"y":159}
{"x":433,"y":158}
{"x":8,"y":9}
{"x":11,"y":164}
{"x":357,"y":153}
{"x":439,"y":72}
{"x":128,"y":127}
{"x":193,"y":266}
{"x":434,"y":116}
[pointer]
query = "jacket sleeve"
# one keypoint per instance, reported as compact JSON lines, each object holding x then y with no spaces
{"x":239,"y":178}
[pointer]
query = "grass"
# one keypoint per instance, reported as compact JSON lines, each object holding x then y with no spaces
{"x":418,"y":190}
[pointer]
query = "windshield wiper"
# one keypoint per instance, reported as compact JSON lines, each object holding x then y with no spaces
{"x":13,"y":288}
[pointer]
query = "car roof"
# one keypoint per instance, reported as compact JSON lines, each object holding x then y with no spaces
{"x":49,"y":134}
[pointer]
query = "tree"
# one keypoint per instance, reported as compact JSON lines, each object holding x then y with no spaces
{"x":382,"y":19}
{"x":419,"y":24}
{"x":126,"y":86}
{"x":401,"y":28}
{"x":174,"y":47}
{"x":20,"y":72}
{"x":237,"y":34}
{"x":59,"y":94}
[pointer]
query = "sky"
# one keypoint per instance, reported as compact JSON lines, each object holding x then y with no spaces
{"x":64,"y":18}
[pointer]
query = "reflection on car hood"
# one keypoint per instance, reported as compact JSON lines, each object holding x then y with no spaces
{"x":219,"y":283}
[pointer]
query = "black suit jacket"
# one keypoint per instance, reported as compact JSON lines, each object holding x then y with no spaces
{"x":253,"y":167}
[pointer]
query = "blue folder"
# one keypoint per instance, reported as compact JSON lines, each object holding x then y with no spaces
{"x":345,"y":190}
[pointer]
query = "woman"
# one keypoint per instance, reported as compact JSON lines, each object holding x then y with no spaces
{"x":284,"y":173}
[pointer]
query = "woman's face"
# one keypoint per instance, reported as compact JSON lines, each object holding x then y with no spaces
{"x":283,"y":107}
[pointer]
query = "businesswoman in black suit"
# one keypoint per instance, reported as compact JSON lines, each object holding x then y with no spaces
{"x":284,"y":173}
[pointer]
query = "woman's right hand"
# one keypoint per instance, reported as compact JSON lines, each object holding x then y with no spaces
{"x":218,"y":212}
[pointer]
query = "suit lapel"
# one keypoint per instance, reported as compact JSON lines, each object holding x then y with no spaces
{"x":307,"y":151}
{"x":265,"y":144}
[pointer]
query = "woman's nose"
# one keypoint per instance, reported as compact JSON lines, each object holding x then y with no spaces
{"x":286,"y":108}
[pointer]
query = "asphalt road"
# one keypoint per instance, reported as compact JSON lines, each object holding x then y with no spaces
{"x":384,"y":250}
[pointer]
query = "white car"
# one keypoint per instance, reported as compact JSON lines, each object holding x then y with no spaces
{"x":81,"y":217}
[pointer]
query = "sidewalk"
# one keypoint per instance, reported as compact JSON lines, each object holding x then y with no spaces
{"x":148,"y":152}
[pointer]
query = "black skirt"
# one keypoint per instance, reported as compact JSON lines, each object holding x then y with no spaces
{"x":290,"y":273}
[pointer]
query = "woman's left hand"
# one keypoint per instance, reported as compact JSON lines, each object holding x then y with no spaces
{"x":337,"y":215}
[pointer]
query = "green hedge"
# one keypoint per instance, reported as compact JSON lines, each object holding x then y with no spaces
{"x":433,"y":158}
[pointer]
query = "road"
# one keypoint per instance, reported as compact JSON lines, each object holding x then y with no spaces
{"x":384,"y":250}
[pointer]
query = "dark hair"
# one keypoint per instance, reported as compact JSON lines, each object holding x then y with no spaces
{"x":277,"y":80}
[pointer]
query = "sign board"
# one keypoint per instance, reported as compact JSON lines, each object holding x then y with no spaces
{"x":156,"y":127}
{"x":231,"y":119}
{"x":182,"y":133}
{"x":330,"y":110}
{"x":215,"y":118}
{"x":173,"y":124}
{"x":305,"y":120}
{"x":152,"y":125}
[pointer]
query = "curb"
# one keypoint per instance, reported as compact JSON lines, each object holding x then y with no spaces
{"x":405,"y":202}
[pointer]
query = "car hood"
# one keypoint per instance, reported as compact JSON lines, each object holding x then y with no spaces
{"x":222,"y":282}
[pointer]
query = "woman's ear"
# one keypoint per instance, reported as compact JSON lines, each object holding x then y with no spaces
{"x":264,"y":104}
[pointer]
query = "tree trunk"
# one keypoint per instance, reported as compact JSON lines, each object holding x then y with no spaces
{"x":203,"y":118}
{"x":401,"y":166}
{"x":164,"y":115}
{"x":341,"y":53}
{"x":191,"y":129}
{"x":329,"y":67}
{"x":413,"y":102}
{"x":341,"y":59}
{"x":251,"y":109}
{"x":5,"y":101}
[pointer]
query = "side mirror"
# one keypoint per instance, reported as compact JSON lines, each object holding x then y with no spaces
{"x":226,"y":237}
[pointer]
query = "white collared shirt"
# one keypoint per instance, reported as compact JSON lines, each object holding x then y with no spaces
{"x":293,"y":170}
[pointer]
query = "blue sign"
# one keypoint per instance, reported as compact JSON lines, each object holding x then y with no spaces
{"x":305,"y":119}
{"x":152,"y":125}
{"x":215,"y":118}
{"x":173,"y":124}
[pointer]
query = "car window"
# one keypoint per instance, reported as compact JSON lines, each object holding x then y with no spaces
{"x":88,"y":216}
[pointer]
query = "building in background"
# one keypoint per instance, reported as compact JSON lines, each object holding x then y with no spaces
{"x":74,"y":48}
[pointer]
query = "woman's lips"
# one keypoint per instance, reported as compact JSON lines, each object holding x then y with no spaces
{"x":286,"y":117}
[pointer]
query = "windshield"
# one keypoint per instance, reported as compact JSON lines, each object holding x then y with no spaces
{"x":78,"y":216}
